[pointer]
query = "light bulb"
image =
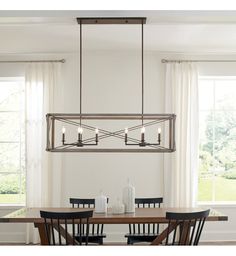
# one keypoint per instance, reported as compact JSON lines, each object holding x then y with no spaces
{"x":96,"y":130}
{"x":143,"y":130}
{"x":159,"y":130}
{"x":80,"y":130}
{"x":63,"y":129}
{"x":126,"y":130}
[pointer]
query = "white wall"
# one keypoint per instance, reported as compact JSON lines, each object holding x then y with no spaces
{"x":11,"y":232}
{"x":223,"y":230}
{"x":112,"y":84}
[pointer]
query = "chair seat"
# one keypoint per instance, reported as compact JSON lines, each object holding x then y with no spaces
{"x":92,"y":238}
{"x":143,"y":237}
{"x":94,"y":235}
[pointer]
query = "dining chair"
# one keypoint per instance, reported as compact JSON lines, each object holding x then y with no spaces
{"x":183,"y":228}
{"x":66,"y":228}
{"x":144,"y":232}
{"x":96,"y":234}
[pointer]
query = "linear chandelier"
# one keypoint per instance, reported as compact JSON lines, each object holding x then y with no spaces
{"x":56,"y":122}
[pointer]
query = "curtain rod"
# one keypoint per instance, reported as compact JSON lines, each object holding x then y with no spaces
{"x":180,"y":61}
{"x":30,"y":61}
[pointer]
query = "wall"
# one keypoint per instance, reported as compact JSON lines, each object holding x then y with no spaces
{"x":224,"y":230}
{"x":112,"y":84}
{"x":11,"y":232}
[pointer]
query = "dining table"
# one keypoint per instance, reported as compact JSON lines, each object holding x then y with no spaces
{"x":141,"y":215}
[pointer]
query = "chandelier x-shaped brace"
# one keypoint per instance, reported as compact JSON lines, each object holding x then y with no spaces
{"x":55,"y":145}
{"x":106,"y":133}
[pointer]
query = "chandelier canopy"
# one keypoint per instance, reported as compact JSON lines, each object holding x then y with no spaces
{"x":58,"y":124}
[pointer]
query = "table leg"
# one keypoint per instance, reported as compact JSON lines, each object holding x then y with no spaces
{"x":42,"y":233}
{"x":160,"y":238}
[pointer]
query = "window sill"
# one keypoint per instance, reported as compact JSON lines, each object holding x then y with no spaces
{"x":218,"y":204}
{"x":11,"y":206}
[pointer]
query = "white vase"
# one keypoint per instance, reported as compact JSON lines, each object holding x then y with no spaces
{"x":101,"y":203}
{"x":118,"y":207}
{"x":129,"y":198}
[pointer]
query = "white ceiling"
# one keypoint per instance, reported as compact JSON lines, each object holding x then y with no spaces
{"x":165,"y":31}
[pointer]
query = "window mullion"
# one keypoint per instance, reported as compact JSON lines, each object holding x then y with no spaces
{"x":20,"y":138}
{"x":213,"y":144}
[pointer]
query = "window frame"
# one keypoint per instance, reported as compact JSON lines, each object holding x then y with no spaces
{"x":20,"y":79}
{"x":213,"y":78}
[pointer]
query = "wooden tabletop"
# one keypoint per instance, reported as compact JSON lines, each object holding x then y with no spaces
{"x":141,"y":215}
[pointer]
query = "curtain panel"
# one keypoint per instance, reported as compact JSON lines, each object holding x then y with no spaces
{"x":40,"y":82}
{"x":181,"y":167}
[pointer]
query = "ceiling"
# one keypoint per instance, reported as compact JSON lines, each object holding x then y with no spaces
{"x":165,"y":31}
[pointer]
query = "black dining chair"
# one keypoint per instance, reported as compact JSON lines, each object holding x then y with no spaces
{"x":66,"y":228}
{"x":184,"y":228}
{"x":96,"y":234}
{"x":144,"y":232}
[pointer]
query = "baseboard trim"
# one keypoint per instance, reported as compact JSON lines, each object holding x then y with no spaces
{"x":218,"y":236}
{"x":12,"y":237}
{"x":213,"y":243}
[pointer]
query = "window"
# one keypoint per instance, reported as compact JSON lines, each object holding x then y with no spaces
{"x":12,"y":141}
{"x":217,"y":168}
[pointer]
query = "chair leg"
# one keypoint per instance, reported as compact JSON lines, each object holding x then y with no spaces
{"x":128,"y":240}
{"x":100,"y":242}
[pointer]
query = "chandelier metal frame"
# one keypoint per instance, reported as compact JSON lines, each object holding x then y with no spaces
{"x":54,"y":119}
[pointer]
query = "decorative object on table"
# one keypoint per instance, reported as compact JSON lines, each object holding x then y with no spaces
{"x":129,"y":198}
{"x":101,"y":203}
{"x":84,"y":125}
{"x":118,"y":207}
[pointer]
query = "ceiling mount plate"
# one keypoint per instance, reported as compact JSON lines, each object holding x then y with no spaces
{"x":112,"y":20}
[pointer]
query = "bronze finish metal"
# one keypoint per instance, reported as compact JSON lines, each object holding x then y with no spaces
{"x":150,"y":119}
{"x":111,"y":20}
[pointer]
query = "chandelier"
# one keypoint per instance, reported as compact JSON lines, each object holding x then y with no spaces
{"x":56,"y":122}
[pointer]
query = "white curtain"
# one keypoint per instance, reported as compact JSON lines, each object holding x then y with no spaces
{"x":40,"y":82}
{"x":180,"y":167}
